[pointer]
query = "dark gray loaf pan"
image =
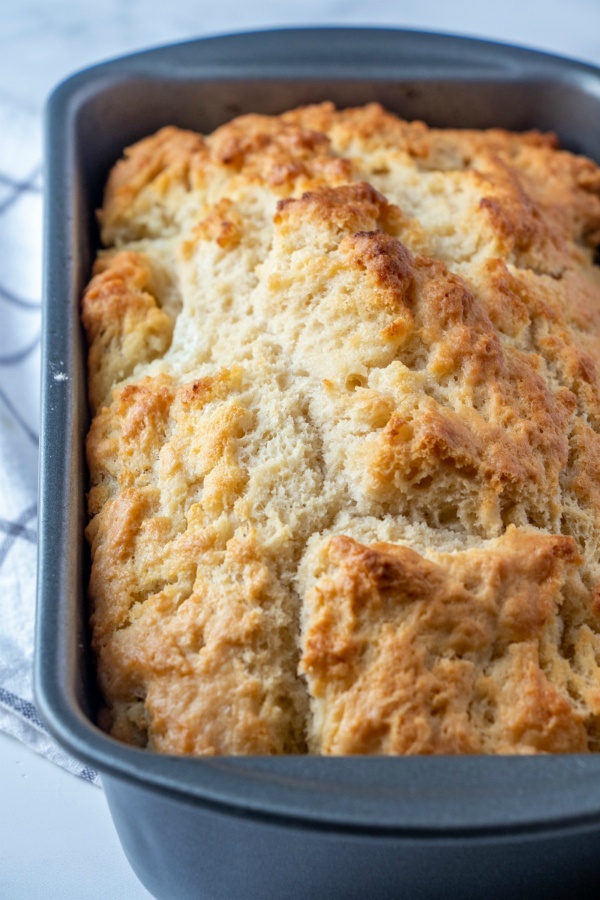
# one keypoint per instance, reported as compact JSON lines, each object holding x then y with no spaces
{"x":291,"y":827}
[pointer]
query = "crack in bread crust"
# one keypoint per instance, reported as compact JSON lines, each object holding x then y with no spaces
{"x":346,"y":425}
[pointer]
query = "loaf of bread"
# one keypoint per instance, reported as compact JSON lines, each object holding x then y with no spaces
{"x":345,"y":448}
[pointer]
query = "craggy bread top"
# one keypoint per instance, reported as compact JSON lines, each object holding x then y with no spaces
{"x":345,"y":453}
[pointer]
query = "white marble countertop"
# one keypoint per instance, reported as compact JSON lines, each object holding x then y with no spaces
{"x":41,"y":42}
{"x":56,"y":836}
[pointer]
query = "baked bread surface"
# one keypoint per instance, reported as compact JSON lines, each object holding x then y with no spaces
{"x":345,"y":450}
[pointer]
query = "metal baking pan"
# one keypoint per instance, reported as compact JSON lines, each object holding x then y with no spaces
{"x":288,"y":827}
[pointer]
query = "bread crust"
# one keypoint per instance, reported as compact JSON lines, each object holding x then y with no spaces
{"x":345,"y":448}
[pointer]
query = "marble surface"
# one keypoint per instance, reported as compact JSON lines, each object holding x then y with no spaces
{"x":56,"y":837}
{"x":57,"y":840}
{"x":41,"y":42}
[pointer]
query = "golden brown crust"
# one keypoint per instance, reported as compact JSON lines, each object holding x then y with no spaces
{"x":347,"y":410}
{"x":188,"y":616}
{"x":154,"y":165}
{"x":123,"y":323}
{"x":407,"y":655}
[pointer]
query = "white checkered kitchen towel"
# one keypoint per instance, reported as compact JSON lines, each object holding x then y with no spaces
{"x":20,"y":313}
